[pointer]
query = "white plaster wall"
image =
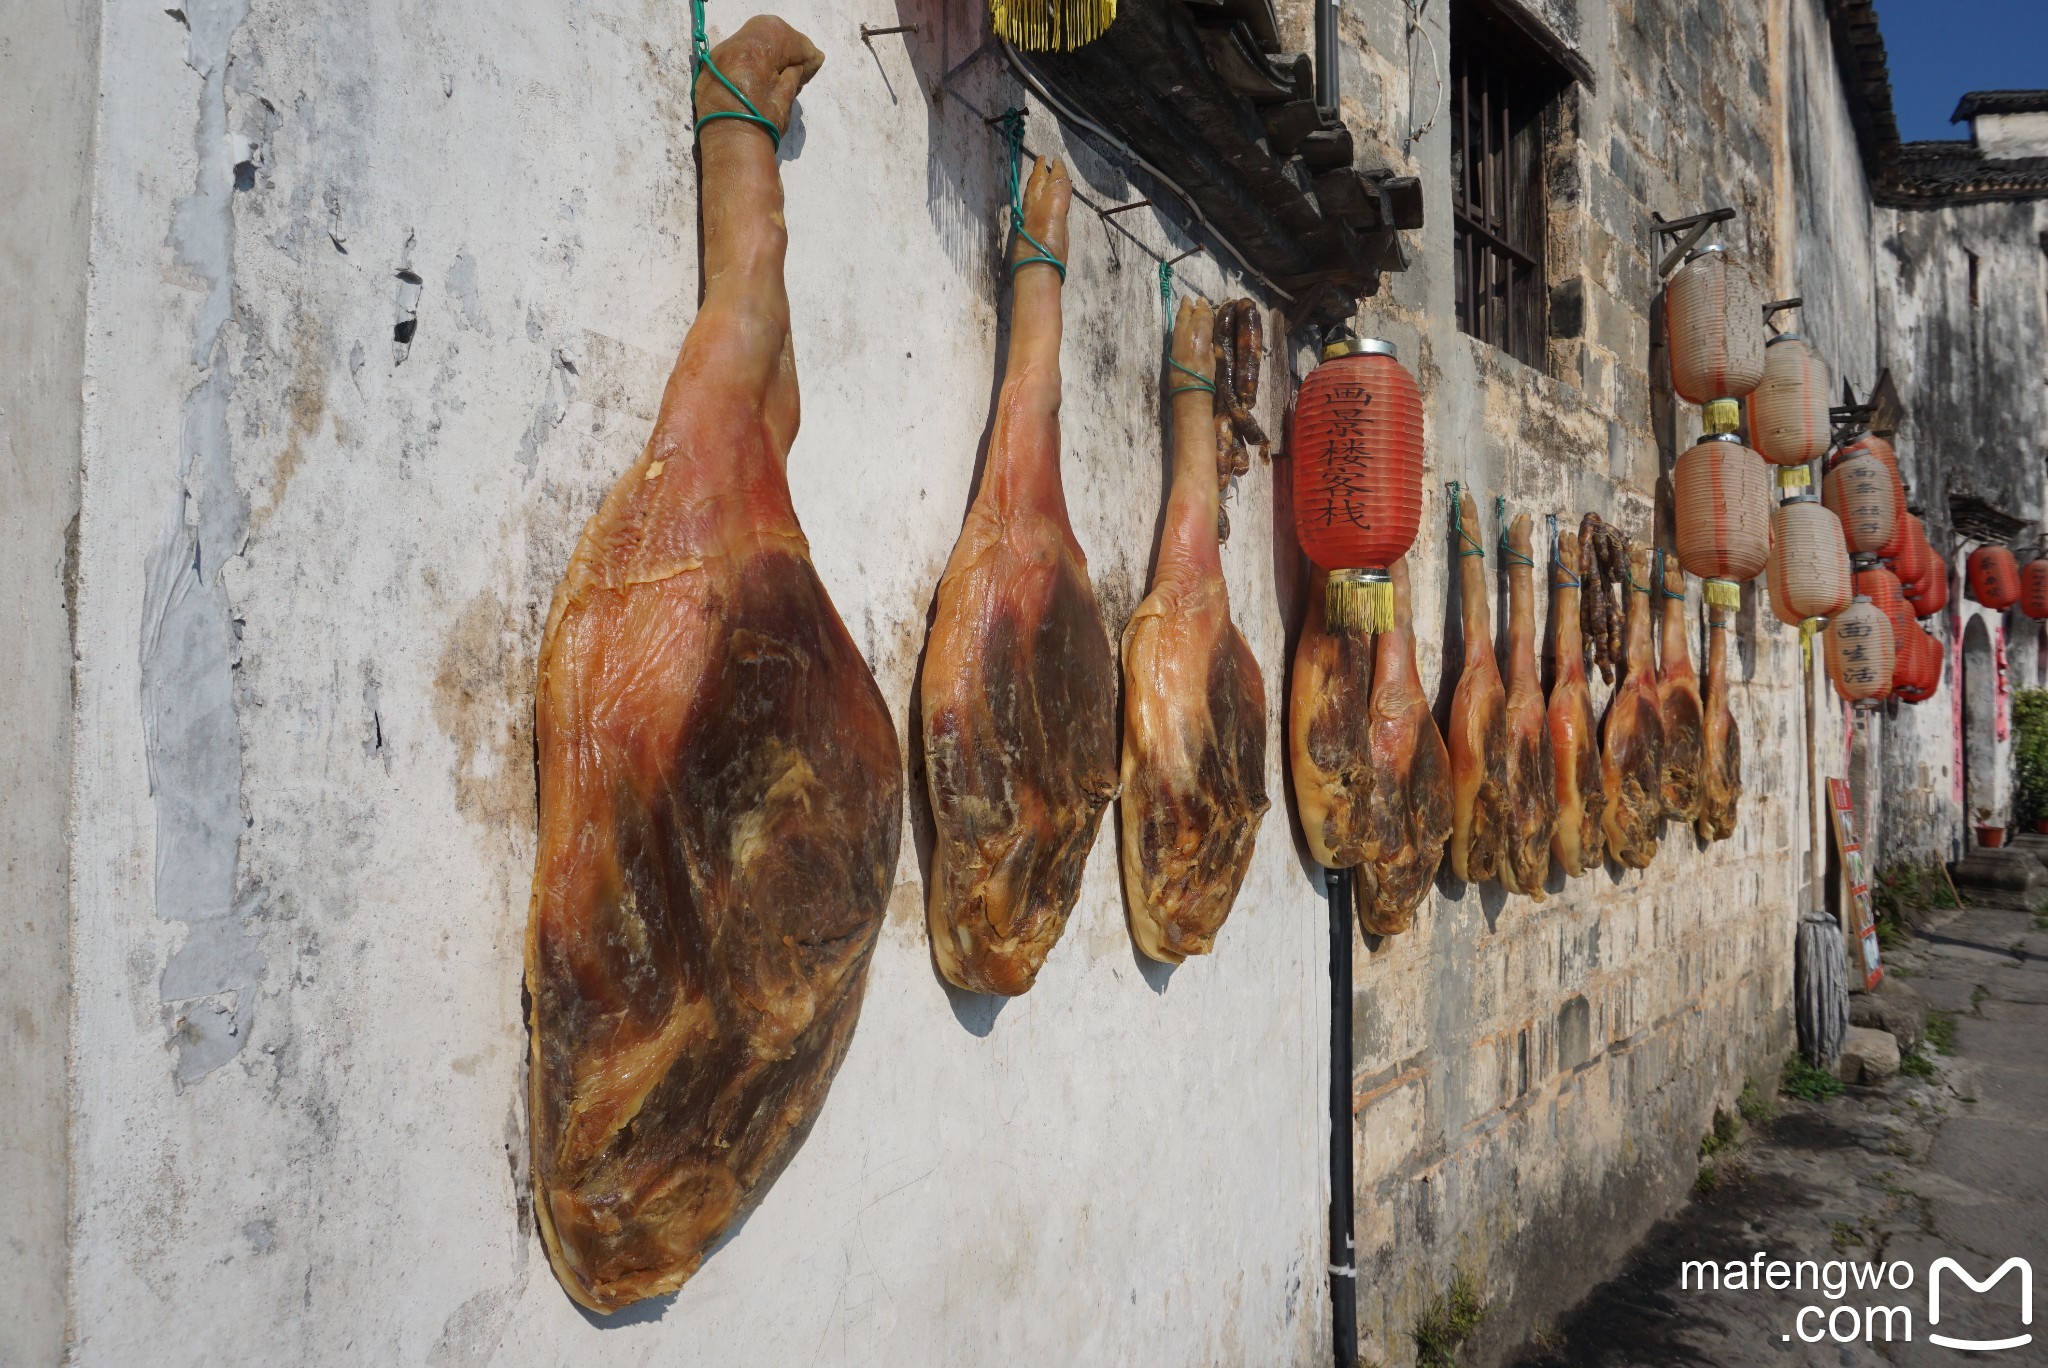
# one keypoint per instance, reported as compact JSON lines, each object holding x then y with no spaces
{"x":301,"y":888}
{"x":2011,"y":135}
{"x":47,"y":91}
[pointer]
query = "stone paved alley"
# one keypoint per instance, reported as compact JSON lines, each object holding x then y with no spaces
{"x":1921,"y":1167}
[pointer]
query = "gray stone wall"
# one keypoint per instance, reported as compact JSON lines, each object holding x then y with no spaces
{"x":1532,"y":1080}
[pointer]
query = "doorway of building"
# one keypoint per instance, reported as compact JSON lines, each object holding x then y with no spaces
{"x":1982,"y":789}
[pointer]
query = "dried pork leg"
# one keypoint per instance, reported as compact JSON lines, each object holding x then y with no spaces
{"x":1194,"y":760}
{"x":1019,"y":681}
{"x":1479,"y":707}
{"x":720,"y":783}
{"x":1409,"y":815}
{"x":1531,"y":773}
{"x":1579,"y":840}
{"x":1329,"y":736}
{"x":1721,"y":777}
{"x":1678,"y":704}
{"x":1632,"y":745}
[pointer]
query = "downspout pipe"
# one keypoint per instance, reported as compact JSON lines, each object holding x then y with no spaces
{"x":1326,"y":57}
{"x":1343,"y":1252}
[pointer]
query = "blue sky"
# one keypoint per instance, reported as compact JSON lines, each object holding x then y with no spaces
{"x":1938,"y":49}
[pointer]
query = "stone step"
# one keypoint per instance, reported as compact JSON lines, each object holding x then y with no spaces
{"x":2003,"y":870}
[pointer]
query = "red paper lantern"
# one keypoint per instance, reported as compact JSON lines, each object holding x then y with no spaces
{"x":1788,"y":410}
{"x":1808,"y":570}
{"x":1357,"y":451}
{"x":1878,"y":584}
{"x":1916,"y":558}
{"x":1714,"y":319}
{"x":1917,"y":673}
{"x":1871,"y":444}
{"x":1930,"y":595}
{"x":1860,"y":652}
{"x":1721,"y":491}
{"x":1859,"y":490}
{"x":1994,"y":577}
{"x":2034,"y":588}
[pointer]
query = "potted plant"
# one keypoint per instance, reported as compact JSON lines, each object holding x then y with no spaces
{"x":2030,"y":758}
{"x":1989,"y":837}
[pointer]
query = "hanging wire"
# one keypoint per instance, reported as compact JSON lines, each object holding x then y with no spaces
{"x":1508,"y":554}
{"x":1199,"y":381}
{"x":700,"y":60}
{"x":1011,"y":121}
{"x":1571,"y":578}
{"x":1473,"y":546}
{"x":1414,"y":27}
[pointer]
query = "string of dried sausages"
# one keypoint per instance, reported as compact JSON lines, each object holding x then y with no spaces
{"x":1239,"y":343}
{"x":1603,"y":570}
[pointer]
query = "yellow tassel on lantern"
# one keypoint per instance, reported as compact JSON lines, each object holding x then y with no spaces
{"x":1359,"y":601}
{"x":1722,"y":593}
{"x":1795,"y":476}
{"x":1052,"y":25}
{"x":1806,"y":634}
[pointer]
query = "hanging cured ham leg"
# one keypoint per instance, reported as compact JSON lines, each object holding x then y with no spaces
{"x":1531,"y":773}
{"x":1019,"y":682}
{"x":1632,"y":751}
{"x":1579,"y":839}
{"x":1721,"y":776}
{"x":1410,"y":811}
{"x":1678,"y":704}
{"x":720,"y":790}
{"x":1479,"y":707}
{"x":1194,"y":764}
{"x":1329,"y":735}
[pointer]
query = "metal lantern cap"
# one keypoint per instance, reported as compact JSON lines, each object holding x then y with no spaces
{"x":1359,"y":346}
{"x":1776,"y":338}
{"x":1711,"y":249}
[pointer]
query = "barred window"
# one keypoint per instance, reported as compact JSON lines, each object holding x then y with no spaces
{"x":1503,"y":90}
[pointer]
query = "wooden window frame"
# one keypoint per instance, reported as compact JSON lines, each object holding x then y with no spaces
{"x":1503,"y":97}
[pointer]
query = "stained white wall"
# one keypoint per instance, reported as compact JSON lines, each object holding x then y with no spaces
{"x":47,"y":91}
{"x":305,"y":798}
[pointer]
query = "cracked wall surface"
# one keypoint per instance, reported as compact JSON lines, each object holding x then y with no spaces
{"x":384,"y":298}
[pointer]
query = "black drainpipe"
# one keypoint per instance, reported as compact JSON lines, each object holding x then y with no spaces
{"x":1326,"y":57}
{"x":1343,"y":1256}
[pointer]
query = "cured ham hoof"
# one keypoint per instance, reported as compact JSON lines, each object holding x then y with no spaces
{"x":720,"y":787}
{"x":1410,"y":816}
{"x":1329,"y":737}
{"x":1632,"y":745}
{"x":1194,"y":755}
{"x":1018,"y":692}
{"x":1478,"y":733}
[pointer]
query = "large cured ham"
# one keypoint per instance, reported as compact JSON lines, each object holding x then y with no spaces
{"x":1019,"y":683}
{"x":1329,"y":736}
{"x":1531,"y":791}
{"x":1632,"y":743}
{"x":720,"y":783}
{"x":1194,"y":762}
{"x":1579,"y":840}
{"x":1479,"y":716}
{"x":1721,"y":776}
{"x":1409,"y":816}
{"x":1678,"y":704}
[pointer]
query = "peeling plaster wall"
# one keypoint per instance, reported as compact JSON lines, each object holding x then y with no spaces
{"x":384,"y":296}
{"x":47,"y":84}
